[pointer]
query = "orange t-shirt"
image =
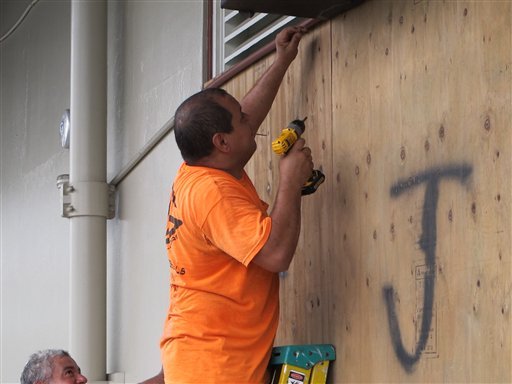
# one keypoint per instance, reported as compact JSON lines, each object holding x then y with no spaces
{"x":223,"y":311}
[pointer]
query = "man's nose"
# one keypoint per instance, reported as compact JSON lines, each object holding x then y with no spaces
{"x":81,"y":379}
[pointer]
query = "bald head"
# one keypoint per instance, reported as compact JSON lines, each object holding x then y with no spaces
{"x":197,"y":119}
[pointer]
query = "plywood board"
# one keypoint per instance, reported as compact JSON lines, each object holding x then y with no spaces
{"x":404,"y":261}
{"x":423,"y":89}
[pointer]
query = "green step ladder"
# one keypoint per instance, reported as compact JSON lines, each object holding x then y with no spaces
{"x":301,"y":364}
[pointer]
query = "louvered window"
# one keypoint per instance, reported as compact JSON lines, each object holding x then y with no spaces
{"x":239,"y":34}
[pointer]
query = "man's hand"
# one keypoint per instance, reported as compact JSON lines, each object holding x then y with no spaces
{"x":296,"y":166}
{"x":287,"y":42}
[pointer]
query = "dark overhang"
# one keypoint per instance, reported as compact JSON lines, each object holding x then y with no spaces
{"x":314,"y":9}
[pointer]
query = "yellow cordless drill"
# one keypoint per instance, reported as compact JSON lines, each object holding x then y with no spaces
{"x":285,"y":141}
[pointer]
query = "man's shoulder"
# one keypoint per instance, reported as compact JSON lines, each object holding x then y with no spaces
{"x":201,"y":183}
{"x":206,"y":175}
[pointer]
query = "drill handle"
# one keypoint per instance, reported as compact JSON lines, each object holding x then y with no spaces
{"x":316,"y":179}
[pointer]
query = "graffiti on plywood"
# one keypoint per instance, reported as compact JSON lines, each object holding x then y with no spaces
{"x":427,"y":243}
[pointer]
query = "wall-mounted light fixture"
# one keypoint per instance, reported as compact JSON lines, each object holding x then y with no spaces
{"x":64,"y":129}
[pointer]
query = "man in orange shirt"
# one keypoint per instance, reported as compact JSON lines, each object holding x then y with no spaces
{"x":225,"y":251}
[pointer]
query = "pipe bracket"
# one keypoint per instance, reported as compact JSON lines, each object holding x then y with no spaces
{"x":86,"y":198}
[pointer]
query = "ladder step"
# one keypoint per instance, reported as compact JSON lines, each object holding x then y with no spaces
{"x":301,"y":364}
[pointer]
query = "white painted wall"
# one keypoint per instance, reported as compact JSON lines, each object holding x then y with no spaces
{"x":34,"y":238}
{"x":155,"y":62}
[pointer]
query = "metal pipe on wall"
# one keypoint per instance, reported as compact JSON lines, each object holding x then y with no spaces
{"x":88,"y":184}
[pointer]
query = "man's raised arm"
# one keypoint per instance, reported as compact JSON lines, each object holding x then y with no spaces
{"x":256,"y":104}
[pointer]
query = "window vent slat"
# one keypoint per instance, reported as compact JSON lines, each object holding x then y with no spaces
{"x":239,"y":34}
{"x":255,"y":41}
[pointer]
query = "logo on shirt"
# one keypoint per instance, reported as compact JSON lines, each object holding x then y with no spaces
{"x":173,"y":223}
{"x":172,"y":226}
{"x":175,"y":268}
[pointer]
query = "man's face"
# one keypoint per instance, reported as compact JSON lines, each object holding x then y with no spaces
{"x":65,"y":371}
{"x":242,"y":136}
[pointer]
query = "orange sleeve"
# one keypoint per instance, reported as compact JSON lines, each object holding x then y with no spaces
{"x":238,"y":225}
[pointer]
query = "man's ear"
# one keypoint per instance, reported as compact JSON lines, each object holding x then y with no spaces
{"x":221,"y":142}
